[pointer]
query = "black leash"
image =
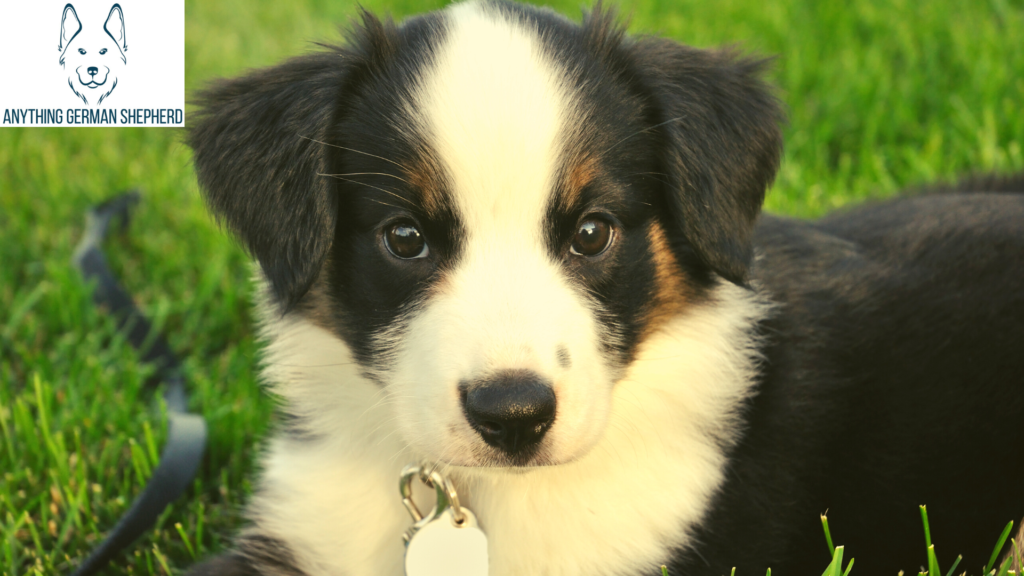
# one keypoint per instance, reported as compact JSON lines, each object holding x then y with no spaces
{"x":186,"y":437}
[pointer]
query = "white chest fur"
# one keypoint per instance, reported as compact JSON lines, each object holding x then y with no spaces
{"x":621,"y":509}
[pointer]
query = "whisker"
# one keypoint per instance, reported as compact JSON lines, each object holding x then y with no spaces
{"x":354,"y":150}
{"x":389,"y":434}
{"x":384,"y":204}
{"x":338,"y":177}
{"x":654,"y":176}
{"x":384,"y":399}
{"x":649,"y":128}
{"x":370,"y":174}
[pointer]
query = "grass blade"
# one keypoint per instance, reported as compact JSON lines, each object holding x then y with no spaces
{"x":955,"y":564}
{"x":160,"y":558}
{"x":999,"y":546}
{"x":927,"y":531}
{"x":835,"y":567}
{"x":192,"y":552}
{"x":828,"y":535}
{"x":933,"y":562}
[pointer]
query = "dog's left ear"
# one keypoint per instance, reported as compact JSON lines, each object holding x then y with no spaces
{"x":259,"y":155}
{"x":722,"y":145}
{"x":114,"y":26}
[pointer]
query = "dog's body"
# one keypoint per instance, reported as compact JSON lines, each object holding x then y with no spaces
{"x":92,"y":53}
{"x":527,"y":251}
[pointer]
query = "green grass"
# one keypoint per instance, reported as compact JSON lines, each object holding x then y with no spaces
{"x":881,"y":94}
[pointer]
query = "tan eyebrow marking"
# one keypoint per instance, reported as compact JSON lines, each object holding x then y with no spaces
{"x":427,"y":179}
{"x":576,"y":176}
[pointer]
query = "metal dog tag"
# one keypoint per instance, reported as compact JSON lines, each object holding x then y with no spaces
{"x":443,"y":548}
{"x":448,"y":540}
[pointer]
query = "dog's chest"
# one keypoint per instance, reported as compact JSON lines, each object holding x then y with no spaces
{"x":620,"y":510}
{"x":623,"y":508}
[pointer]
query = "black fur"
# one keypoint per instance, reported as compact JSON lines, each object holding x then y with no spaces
{"x":258,"y":156}
{"x":229,"y":564}
{"x":892,"y":379}
{"x":371,"y":158}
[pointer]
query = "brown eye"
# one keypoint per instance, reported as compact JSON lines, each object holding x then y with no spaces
{"x":593,"y":237}
{"x":405,"y":241}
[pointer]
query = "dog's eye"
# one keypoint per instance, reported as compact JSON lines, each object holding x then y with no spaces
{"x":405,"y":241}
{"x":593,"y":237}
{"x":103,"y":51}
{"x":81,"y":50}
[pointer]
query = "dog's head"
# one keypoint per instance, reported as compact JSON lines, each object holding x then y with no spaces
{"x":92,"y":53}
{"x":492,"y":208}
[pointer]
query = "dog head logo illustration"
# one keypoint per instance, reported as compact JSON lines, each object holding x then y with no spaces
{"x":92,"y":54}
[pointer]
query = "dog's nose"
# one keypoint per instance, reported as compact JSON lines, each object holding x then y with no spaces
{"x":512,"y":411}
{"x":92,"y":70}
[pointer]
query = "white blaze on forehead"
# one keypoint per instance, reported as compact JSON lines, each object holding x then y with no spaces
{"x":493,"y":107}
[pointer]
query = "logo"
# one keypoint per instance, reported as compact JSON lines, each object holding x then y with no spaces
{"x":93,"y":55}
{"x":93,"y":79}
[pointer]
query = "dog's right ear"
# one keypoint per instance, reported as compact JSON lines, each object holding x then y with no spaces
{"x":258,"y":145}
{"x":70,"y":26}
{"x":721,"y":145}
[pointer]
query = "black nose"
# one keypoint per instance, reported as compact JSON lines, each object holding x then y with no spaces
{"x":92,"y":70}
{"x":512,"y":411}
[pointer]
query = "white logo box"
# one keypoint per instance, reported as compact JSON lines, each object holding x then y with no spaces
{"x":123,"y":63}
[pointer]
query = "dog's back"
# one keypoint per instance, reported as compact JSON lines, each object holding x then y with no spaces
{"x":899,"y":331}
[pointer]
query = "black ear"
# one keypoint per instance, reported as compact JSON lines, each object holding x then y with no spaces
{"x":259,"y":153}
{"x":722,"y":144}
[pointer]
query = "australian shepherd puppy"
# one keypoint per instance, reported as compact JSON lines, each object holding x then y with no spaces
{"x":529,"y":252}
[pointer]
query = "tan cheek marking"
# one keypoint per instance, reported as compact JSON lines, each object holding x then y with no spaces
{"x":671,"y":285}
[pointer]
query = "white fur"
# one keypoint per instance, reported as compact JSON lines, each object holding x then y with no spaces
{"x":620,"y":509}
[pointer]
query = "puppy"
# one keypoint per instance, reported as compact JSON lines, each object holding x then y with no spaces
{"x":92,"y":55}
{"x":529,"y":252}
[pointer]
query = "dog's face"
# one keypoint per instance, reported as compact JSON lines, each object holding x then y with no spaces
{"x":492,"y":208}
{"x":92,"y":53}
